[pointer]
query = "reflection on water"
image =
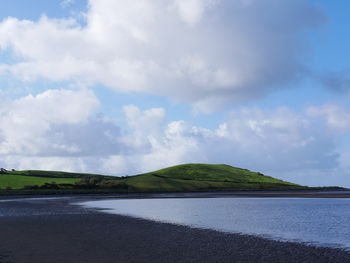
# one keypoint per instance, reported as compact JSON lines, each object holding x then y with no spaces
{"x":319,"y":221}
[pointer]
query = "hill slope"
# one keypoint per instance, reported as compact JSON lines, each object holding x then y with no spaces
{"x":201,"y":177}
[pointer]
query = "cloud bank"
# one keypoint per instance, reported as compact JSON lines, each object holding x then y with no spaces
{"x":38,"y":133}
{"x":204,"y":52}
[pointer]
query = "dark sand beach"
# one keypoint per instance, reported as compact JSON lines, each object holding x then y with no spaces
{"x":54,"y":230}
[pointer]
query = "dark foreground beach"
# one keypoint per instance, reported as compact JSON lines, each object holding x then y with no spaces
{"x":54,"y":230}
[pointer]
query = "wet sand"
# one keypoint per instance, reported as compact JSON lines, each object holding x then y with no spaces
{"x":53,"y":230}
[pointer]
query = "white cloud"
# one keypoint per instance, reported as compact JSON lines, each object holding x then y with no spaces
{"x":205,"y":52}
{"x":26,"y":122}
{"x":148,"y":121}
{"x":278,"y":141}
{"x":337,"y":118}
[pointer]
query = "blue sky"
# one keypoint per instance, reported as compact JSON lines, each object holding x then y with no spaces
{"x":255,"y":84}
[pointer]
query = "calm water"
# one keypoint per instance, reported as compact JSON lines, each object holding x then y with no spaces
{"x":319,"y":221}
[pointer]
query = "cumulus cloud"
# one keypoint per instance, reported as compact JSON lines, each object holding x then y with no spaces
{"x":55,"y":123}
{"x":279,"y":140}
{"x":337,"y":118}
{"x":205,"y":52}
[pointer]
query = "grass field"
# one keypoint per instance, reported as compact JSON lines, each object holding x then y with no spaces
{"x":19,"y":181}
{"x":186,"y":177}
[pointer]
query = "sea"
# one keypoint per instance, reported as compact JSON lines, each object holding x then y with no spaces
{"x":312,"y":221}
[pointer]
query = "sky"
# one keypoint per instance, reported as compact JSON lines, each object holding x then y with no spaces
{"x":123,"y":87}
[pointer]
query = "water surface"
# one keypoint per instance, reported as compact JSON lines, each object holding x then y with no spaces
{"x":318,"y":221}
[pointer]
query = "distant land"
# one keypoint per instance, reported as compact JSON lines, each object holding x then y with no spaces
{"x":179,"y":178}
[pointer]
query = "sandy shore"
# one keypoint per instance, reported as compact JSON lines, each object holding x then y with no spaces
{"x":54,"y":231}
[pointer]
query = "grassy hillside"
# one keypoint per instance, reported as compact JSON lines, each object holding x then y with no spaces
{"x":186,"y":177}
{"x":19,"y":181}
{"x":201,"y":177}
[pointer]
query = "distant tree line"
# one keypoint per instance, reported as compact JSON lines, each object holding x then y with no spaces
{"x":89,"y":182}
{"x":4,"y":171}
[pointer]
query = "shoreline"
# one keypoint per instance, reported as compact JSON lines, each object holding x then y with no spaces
{"x":61,"y":231}
{"x":215,"y":194}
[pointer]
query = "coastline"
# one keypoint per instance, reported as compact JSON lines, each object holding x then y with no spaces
{"x":212,"y":194}
{"x":50,"y":230}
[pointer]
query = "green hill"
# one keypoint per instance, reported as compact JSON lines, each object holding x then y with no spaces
{"x":202,"y":177}
{"x":186,"y":177}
